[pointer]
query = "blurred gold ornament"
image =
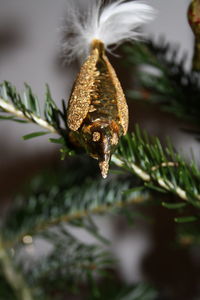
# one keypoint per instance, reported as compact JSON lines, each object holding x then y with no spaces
{"x":194,"y":20}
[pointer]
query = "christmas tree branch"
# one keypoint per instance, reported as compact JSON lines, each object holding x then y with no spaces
{"x":163,"y":80}
{"x":13,"y":277}
{"x":165,"y":184}
{"x":70,"y":261}
{"x":9,"y":108}
{"x":158,"y":167}
{"x":92,"y":197}
{"x":21,"y":109}
{"x":77,"y":263}
{"x":67,"y":218}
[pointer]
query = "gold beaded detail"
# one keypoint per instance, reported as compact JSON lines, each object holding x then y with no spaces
{"x":96,"y":136}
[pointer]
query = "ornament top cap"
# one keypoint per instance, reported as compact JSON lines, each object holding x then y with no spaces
{"x":97,"y":44}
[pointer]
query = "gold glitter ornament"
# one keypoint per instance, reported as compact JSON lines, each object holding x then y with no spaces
{"x":97,"y":113}
{"x":194,"y":20}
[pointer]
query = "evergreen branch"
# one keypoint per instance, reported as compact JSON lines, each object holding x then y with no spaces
{"x":27,"y":107}
{"x":8,"y":107}
{"x":13,"y":277}
{"x":76,"y":200}
{"x":79,"y":214}
{"x":67,"y":268}
{"x":70,"y":260}
{"x":6,"y":291}
{"x":167,"y":185}
{"x":158,"y":167}
{"x":140,"y":292}
{"x":163,"y":79}
{"x":115,"y":290}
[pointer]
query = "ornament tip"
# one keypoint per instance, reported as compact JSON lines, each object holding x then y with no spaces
{"x":104,"y":166}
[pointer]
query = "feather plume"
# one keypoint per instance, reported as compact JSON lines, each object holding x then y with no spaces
{"x":113,"y":24}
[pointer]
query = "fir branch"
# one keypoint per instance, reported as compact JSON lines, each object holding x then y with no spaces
{"x":6,"y":291}
{"x":76,"y":200}
{"x":27,"y":107}
{"x":8,"y":107}
{"x":112,"y":289}
{"x":70,"y":261}
{"x":13,"y":277}
{"x":158,"y":167}
{"x":141,"y":291}
{"x":167,"y":83}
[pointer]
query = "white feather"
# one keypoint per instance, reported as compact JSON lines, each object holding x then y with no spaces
{"x":113,"y":24}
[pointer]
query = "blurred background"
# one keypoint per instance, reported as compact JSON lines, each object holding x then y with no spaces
{"x":30,"y":35}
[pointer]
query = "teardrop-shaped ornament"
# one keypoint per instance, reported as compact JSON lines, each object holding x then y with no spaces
{"x":97,"y":114}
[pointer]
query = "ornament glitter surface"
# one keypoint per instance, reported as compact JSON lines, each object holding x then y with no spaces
{"x":97,"y":113}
